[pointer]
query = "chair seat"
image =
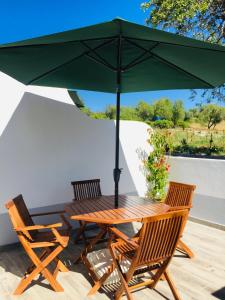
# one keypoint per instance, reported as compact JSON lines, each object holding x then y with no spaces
{"x":100,"y":260}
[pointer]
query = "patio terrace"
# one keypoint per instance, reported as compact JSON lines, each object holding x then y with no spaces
{"x":200,"y":278}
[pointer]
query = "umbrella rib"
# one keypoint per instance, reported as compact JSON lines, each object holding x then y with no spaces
{"x":138,"y":59}
{"x":172,"y":65}
{"x":68,"y":61}
{"x":180,"y":45}
{"x":138,"y":62}
{"x":99,"y":62}
{"x":102,"y":60}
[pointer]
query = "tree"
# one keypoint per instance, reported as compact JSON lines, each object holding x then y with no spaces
{"x":163,"y":109}
{"x":110,"y":112}
{"x":178,"y":112}
{"x":212,"y":115}
{"x":128,"y":113}
{"x":202,"y":19}
{"x":144,"y":111}
{"x":192,"y":113}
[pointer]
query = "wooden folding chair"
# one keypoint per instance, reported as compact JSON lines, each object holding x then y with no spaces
{"x":31,"y":236}
{"x":179,"y":196}
{"x":140,"y":261}
{"x":85,"y":189}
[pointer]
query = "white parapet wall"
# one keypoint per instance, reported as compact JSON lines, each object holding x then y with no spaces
{"x":45,"y":144}
{"x":209,"y":177}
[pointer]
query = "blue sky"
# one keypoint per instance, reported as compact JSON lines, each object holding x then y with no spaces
{"x":25,"y":19}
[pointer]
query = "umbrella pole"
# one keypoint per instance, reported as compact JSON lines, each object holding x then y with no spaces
{"x":117,"y":170}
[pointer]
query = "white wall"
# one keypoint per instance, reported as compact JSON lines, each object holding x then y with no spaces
{"x":12,"y":91}
{"x":209,"y":177}
{"x":46,"y":144}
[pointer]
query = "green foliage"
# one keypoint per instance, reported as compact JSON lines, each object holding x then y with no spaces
{"x":98,"y":115}
{"x":110,"y":112}
{"x":211,"y":115}
{"x":183,"y":124}
{"x":157,"y":166}
{"x":126,"y":113}
{"x":86,"y":111}
{"x":197,"y":142}
{"x":129,"y":113}
{"x":162,"y":124}
{"x":144,"y":111}
{"x":192,"y":114}
{"x":163,"y":109}
{"x":178,"y":112}
{"x":202,"y":19}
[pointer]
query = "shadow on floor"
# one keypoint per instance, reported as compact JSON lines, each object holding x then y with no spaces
{"x":13,"y":258}
{"x":220,"y":294}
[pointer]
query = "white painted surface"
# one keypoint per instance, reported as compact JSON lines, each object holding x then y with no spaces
{"x":209,"y":177}
{"x":12,"y":91}
{"x":46,"y":144}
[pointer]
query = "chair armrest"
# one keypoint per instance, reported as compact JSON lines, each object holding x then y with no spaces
{"x":123,"y":237}
{"x":182,"y":207}
{"x":59,"y":212}
{"x":48,"y":213}
{"x":37,"y":227}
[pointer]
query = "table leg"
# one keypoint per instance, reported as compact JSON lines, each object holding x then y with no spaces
{"x":81,"y":231}
{"x":91,"y":244}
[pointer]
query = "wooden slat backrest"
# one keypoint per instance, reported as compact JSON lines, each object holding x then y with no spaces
{"x":159,"y":236}
{"x":86,"y":189}
{"x":179,"y":194}
{"x":19,"y":215}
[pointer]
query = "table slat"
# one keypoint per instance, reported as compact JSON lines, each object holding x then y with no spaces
{"x":102,"y":210}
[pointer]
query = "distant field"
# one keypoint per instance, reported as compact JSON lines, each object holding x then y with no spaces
{"x":198,"y":140}
{"x":220,"y":126}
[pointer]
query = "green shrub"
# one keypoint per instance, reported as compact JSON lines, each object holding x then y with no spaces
{"x":182,"y":124}
{"x":163,"y":124}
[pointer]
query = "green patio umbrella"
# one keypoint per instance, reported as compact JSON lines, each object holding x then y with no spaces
{"x":115,"y":57}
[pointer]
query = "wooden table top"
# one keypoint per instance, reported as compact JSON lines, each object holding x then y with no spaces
{"x":102,"y":210}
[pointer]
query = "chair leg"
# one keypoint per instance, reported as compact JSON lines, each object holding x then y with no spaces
{"x":124,"y":280}
{"x":59,"y":267}
{"x":40,"y":268}
{"x":159,"y":274}
{"x":172,"y":286}
{"x":123,"y":288}
{"x":184,"y":248}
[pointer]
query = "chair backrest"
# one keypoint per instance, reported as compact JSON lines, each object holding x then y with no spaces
{"x":86,"y":189}
{"x":159,"y":236}
{"x":179,"y":194}
{"x":19,"y":214}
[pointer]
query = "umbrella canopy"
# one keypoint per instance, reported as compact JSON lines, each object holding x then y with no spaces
{"x":87,"y":59}
{"x":116,"y":56}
